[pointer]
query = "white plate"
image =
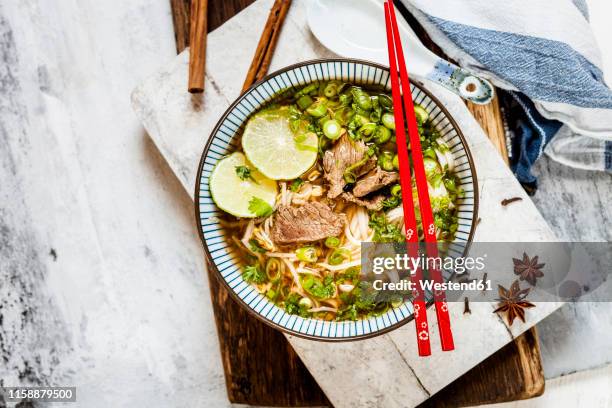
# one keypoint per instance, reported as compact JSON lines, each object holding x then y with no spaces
{"x":356,"y":29}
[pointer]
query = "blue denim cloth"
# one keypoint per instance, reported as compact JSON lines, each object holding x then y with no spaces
{"x":542,"y":70}
{"x":559,"y":85}
{"x":531,"y":135}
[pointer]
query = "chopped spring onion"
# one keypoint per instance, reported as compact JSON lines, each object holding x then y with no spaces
{"x":331,"y":89}
{"x":385,"y":161}
{"x":306,"y":254}
{"x":366,"y":132}
{"x":431,"y":167}
{"x":388,"y":120}
{"x":421,"y":114}
{"x":273,"y":268}
{"x":304,"y":102}
{"x":382,"y":135}
{"x":385,"y":101}
{"x":306,"y":302}
{"x":307,"y":89}
{"x":318,"y":108}
{"x":339,"y":256}
{"x":332,"y":129}
{"x":344,"y":115}
{"x":396,"y":162}
{"x":332,"y":242}
{"x":396,"y":190}
{"x":349,"y":175}
{"x":361,"y":98}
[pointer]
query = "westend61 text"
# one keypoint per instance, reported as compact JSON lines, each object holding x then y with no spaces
{"x":430,"y":285}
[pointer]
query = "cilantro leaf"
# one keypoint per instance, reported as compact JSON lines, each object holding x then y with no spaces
{"x":255,"y":247}
{"x":293,"y":306}
{"x":296,"y":184}
{"x":320,"y":289}
{"x":391,"y":202}
{"x":253,"y":274}
{"x":383,"y":230}
{"x":244,"y":173}
{"x":259,"y":207}
{"x":349,"y":312}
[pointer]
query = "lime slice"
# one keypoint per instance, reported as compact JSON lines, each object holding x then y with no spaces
{"x":269,"y":144}
{"x":232,"y":194}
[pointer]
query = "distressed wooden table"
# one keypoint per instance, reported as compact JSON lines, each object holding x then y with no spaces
{"x":179,"y":124}
{"x":101,"y":282}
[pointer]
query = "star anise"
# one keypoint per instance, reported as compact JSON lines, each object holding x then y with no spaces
{"x":513,"y":302}
{"x":528,"y":269}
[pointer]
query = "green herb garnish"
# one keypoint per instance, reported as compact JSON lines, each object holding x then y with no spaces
{"x":255,"y":247}
{"x":293,"y":306}
{"x":244,"y":173}
{"x":259,"y":207}
{"x":391,"y":202}
{"x":253,"y":274}
{"x":383,"y":230}
{"x":307,"y":254}
{"x":332,"y":242}
{"x":296,"y":184}
{"x":320,"y":289}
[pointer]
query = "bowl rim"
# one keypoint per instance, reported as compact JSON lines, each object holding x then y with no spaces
{"x":210,"y":263}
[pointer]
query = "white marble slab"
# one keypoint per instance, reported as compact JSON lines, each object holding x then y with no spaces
{"x":363,"y":372}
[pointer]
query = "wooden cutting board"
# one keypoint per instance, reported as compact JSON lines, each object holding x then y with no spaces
{"x":260,"y":366}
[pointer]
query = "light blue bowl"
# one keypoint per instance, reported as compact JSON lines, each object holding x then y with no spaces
{"x":225,"y":139}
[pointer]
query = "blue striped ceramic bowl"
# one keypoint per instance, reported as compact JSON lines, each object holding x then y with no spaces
{"x":225,"y":139}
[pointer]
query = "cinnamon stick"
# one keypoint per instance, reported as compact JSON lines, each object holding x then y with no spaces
{"x":197,"y":45}
{"x":267,"y":43}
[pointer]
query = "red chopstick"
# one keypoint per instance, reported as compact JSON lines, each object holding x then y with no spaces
{"x":429,"y":229}
{"x":412,"y":237}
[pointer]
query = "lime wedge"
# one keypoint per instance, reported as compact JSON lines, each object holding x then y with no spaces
{"x":232,"y":194}
{"x":269,"y":144}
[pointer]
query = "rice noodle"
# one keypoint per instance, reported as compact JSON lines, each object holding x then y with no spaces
{"x":302,"y":195}
{"x":263,"y":239}
{"x":323,"y":309}
{"x":284,"y":197}
{"x":331,"y":302}
{"x":248,"y":233}
{"x":349,"y":236}
{"x":340,"y":267}
{"x":289,"y":255}
{"x":240,"y":245}
{"x":308,"y":271}
{"x":230,"y":224}
{"x":268,"y":222}
{"x":313,"y":175}
{"x":363,"y":225}
{"x":296,"y":278}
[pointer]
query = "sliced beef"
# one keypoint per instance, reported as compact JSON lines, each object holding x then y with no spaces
{"x":345,"y":153}
{"x":373,"y":203}
{"x":310,"y":222}
{"x":374,"y":180}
